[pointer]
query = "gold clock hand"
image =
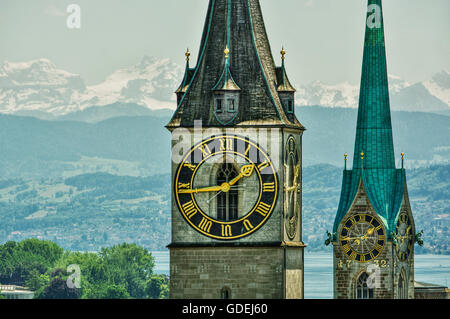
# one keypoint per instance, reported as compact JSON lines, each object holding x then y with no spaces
{"x":201,"y":190}
{"x":246,"y":171}
{"x":369,"y":233}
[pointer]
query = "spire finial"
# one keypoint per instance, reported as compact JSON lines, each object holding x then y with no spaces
{"x":227,"y":52}
{"x":188,"y":55}
{"x":283,"y":53}
{"x":345,"y":158}
{"x":362,"y":159}
{"x":403,"y":160}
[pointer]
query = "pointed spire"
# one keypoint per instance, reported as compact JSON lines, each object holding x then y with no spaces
{"x":226,"y":81}
{"x":187,"y":76}
{"x":374,"y":128}
{"x":284,"y":85}
{"x":239,"y":26}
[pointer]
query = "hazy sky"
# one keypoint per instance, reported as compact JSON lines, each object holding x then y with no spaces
{"x":323,"y":38}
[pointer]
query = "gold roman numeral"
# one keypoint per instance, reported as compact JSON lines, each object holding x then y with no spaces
{"x":263,"y":165}
{"x":346,"y":248}
{"x":269,"y":187}
{"x":248,"y":226}
{"x":204,"y":148}
{"x":226,"y":144}
{"x":226,"y":231}
{"x":189,"y":209}
{"x":263,"y":209}
{"x":248,"y":150}
{"x":190,"y":166}
{"x":205,"y":225}
{"x":182,"y":185}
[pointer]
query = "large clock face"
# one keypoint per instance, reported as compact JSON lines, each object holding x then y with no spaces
{"x":404,"y":237}
{"x":226,"y":187}
{"x":362,"y":237}
{"x":292,"y":187}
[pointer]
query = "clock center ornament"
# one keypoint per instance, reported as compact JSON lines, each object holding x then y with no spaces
{"x":210,"y":205}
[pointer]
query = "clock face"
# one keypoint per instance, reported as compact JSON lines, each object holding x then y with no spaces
{"x":404,"y":237}
{"x":292,"y":187}
{"x":226,"y":187}
{"x":362,"y":237}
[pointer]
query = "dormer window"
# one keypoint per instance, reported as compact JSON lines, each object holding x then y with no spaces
{"x":219,"y":104}
{"x":226,"y":95}
{"x":290,"y":106}
{"x":231,"y":105}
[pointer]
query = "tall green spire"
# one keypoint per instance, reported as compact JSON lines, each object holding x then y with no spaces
{"x":374,"y":158}
{"x":374,"y":128}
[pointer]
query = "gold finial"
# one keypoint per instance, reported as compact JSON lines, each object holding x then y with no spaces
{"x":188,"y":55}
{"x":283,"y":53}
{"x":227,"y":52}
{"x":362,"y":155}
{"x":346,"y":156}
{"x":403,"y":160}
{"x":403,"y":156}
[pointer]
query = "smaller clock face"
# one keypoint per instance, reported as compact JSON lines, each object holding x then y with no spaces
{"x":362,"y":237}
{"x":292,"y":187}
{"x":404,"y":237}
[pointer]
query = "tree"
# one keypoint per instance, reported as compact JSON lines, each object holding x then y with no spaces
{"x":58,"y":289}
{"x":157,"y":288}
{"x":130,"y":266}
{"x":18,"y":260}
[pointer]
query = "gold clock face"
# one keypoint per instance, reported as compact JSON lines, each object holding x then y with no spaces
{"x":226,"y":187}
{"x":292,"y":187}
{"x":362,"y":237}
{"x":404,"y":237}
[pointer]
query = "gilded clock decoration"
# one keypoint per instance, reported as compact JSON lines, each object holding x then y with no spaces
{"x":404,"y":237}
{"x":292,"y":187}
{"x":238,"y":197}
{"x":362,"y":237}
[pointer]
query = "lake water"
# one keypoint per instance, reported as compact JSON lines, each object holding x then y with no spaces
{"x":319,"y":271}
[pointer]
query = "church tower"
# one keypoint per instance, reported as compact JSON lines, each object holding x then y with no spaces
{"x":374,"y":233}
{"x":236,"y":166}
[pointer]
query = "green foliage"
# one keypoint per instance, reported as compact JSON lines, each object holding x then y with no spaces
{"x":157,"y":287}
{"x":129,"y":265}
{"x":118,"y":272}
{"x":19,"y":262}
{"x":58,"y":288}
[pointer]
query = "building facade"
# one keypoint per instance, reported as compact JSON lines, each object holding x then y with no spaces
{"x":236,"y":166}
{"x":374,"y":234}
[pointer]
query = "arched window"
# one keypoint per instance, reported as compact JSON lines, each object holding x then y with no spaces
{"x":227,"y":203}
{"x":363,"y":289}
{"x":225,"y":293}
{"x":402,"y":290}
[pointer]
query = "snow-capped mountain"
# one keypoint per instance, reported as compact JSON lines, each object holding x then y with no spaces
{"x":428,"y":96}
{"x":38,"y":87}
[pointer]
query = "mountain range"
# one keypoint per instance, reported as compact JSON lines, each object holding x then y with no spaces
{"x":38,"y":88}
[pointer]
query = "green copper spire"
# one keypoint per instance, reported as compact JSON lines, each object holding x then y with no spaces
{"x":374,"y":128}
{"x":374,"y":159}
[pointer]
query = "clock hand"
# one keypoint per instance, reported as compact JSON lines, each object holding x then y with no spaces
{"x":233,"y":187}
{"x":295,"y":185}
{"x":355,"y":239}
{"x":369,"y":233}
{"x":246,"y":171}
{"x":201,"y":190}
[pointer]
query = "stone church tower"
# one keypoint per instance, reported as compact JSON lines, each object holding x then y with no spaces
{"x":236,"y":166}
{"x":374,"y":233}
